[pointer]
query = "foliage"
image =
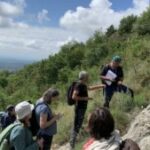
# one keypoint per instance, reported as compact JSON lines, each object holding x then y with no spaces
{"x":110,"y":30}
{"x":143,"y":23}
{"x":126,"y":24}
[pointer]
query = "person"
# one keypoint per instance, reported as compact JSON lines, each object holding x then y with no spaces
{"x":1,"y":116}
{"x":21,"y":136}
{"x":45,"y":117}
{"x":80,"y":95}
{"x":101,"y":128}
{"x":112,"y":76}
{"x":8,"y":117}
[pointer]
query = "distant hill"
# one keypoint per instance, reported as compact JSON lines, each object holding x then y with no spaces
{"x":13,"y":64}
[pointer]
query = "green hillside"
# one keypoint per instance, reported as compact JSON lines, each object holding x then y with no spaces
{"x":131,"y":41}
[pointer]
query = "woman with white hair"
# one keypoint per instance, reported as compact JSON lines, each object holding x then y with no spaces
{"x":21,"y":136}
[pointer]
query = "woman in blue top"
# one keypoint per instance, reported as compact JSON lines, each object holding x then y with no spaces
{"x":46,"y":119}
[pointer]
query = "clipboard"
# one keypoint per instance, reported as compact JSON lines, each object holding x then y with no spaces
{"x":111,"y":75}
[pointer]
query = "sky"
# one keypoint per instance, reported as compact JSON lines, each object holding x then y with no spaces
{"x":35,"y":29}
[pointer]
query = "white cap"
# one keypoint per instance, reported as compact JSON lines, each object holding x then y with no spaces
{"x":23,"y":109}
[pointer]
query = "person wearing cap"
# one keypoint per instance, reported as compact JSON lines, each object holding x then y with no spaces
{"x":46,"y":118}
{"x":112,"y":76}
{"x":8,"y":117}
{"x":80,"y":95}
{"x":21,"y":136}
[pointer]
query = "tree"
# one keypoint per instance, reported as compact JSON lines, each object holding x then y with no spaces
{"x":73,"y":54}
{"x":97,"y":38}
{"x":126,"y":24}
{"x":110,"y":31}
{"x":94,"y":55}
{"x":3,"y":82}
{"x":143,"y":23}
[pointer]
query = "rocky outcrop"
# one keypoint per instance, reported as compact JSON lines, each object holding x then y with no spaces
{"x":139,"y":130}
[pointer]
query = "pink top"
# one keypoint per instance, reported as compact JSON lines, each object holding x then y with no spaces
{"x":88,"y":143}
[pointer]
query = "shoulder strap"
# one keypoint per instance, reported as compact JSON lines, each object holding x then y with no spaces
{"x":41,"y":103}
{"x":38,"y":104}
{"x":5,"y":133}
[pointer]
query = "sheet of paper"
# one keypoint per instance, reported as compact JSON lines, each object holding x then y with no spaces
{"x":111,"y":75}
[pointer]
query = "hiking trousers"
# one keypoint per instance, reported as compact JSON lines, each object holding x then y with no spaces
{"x":78,"y":121}
{"x":110,"y":90}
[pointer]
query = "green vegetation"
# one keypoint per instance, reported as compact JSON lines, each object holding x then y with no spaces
{"x":131,"y":41}
{"x":126,"y":24}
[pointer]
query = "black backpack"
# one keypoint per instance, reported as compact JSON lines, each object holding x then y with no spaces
{"x":34,"y":124}
{"x":71,"y":101}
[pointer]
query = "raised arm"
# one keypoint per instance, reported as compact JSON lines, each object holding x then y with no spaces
{"x":96,"y":87}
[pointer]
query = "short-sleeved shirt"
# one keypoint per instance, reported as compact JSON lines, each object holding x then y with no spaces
{"x":118,"y":71}
{"x":43,"y":108}
{"x":82,"y":92}
{"x":21,"y":138}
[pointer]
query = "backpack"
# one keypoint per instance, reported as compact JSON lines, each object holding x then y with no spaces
{"x":71,"y":101}
{"x":34,"y":128}
{"x":1,"y":119}
{"x":1,"y":114}
{"x":5,"y":135}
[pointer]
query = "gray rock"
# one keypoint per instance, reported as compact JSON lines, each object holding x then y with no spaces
{"x":139,"y":130}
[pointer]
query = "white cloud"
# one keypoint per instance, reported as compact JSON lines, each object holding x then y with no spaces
{"x":98,"y":16}
{"x":7,"y":9}
{"x":43,"y":16}
{"x":10,"y":10}
{"x":6,"y":22}
{"x":69,"y":39}
{"x":33,"y":42}
{"x":20,"y":40}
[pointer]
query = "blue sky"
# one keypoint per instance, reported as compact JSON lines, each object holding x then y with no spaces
{"x":35,"y":29}
{"x":57,"y":8}
{"x":121,"y":4}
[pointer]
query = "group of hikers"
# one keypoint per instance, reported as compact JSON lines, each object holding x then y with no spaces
{"x":18,"y":124}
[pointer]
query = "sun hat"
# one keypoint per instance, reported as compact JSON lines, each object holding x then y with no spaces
{"x":23,"y":109}
{"x":116,"y":59}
